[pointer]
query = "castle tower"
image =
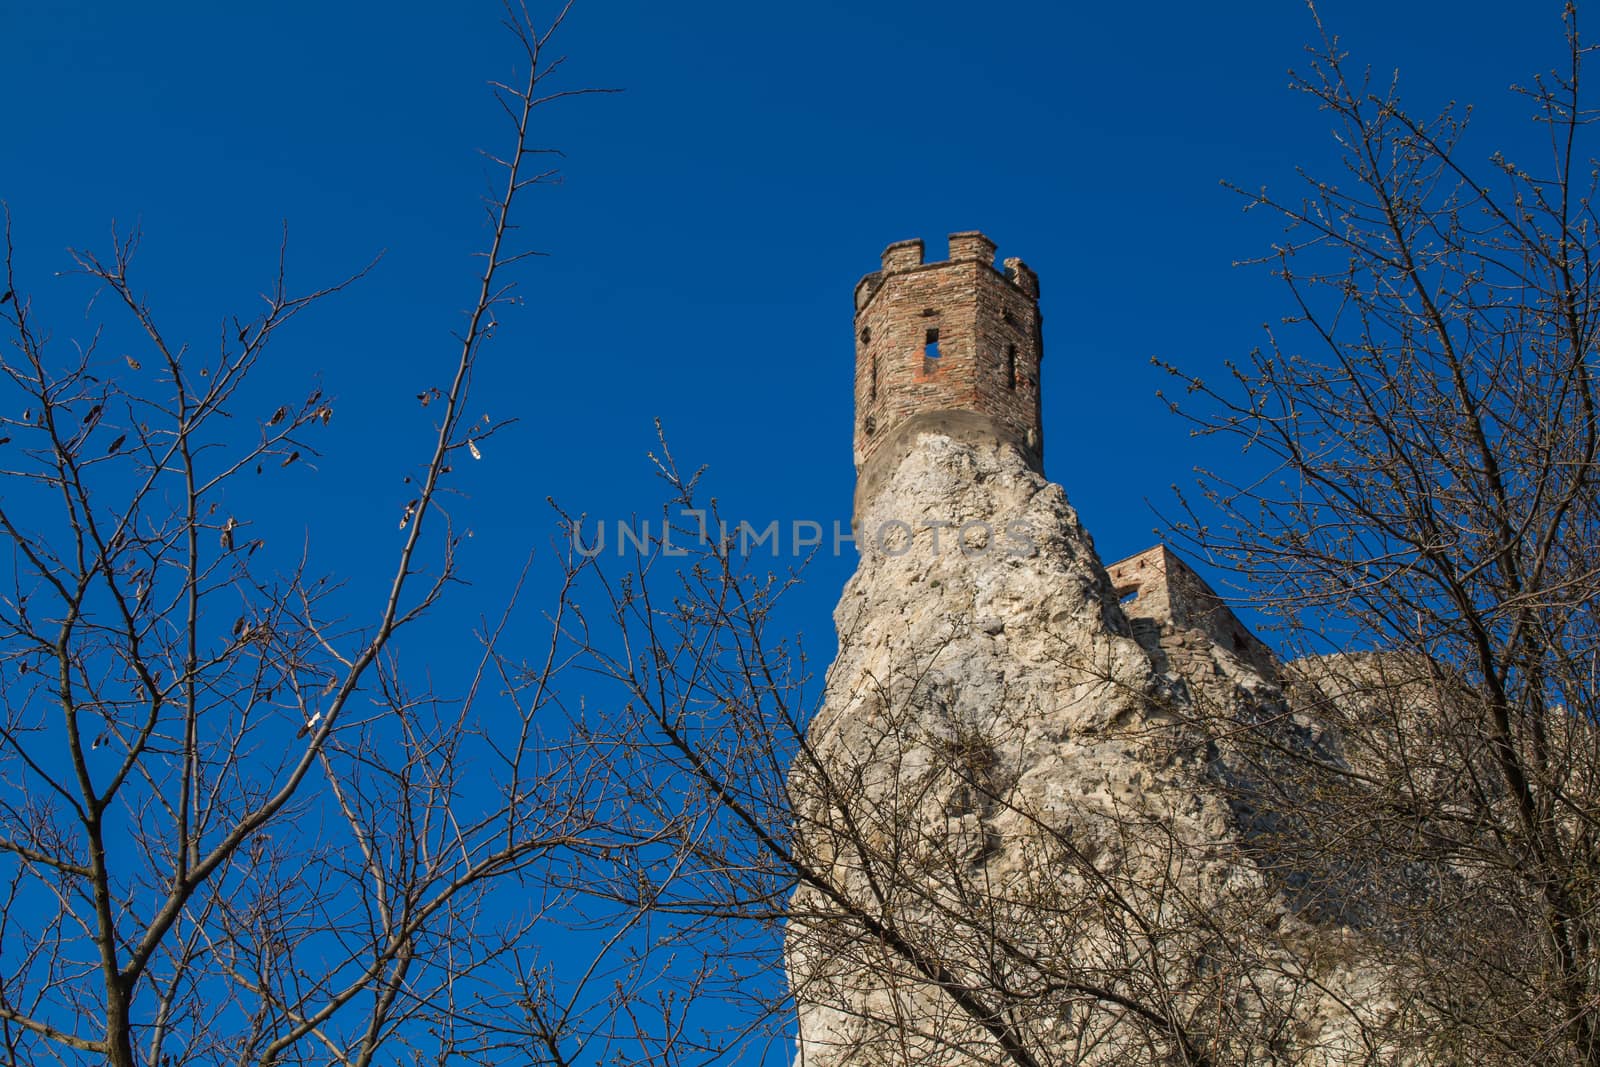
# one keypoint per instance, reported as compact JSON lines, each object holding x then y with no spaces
{"x":1028,"y":816}
{"x":951,"y":347}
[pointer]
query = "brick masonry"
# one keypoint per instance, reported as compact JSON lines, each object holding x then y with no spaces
{"x":987,"y":330}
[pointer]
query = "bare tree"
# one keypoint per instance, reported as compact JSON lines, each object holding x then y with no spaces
{"x":233,"y":825}
{"x":1414,"y":796}
{"x":1422,"y":498}
{"x":888,"y":837}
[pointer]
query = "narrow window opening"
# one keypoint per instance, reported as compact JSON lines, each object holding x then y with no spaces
{"x":873,"y":389}
{"x":930,"y":343}
{"x":1011,"y":366}
{"x":866,"y":335}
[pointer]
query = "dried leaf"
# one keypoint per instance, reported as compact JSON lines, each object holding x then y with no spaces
{"x":112,"y":449}
{"x":292,"y":457}
{"x":279,"y":415}
{"x":133,"y":364}
{"x":472,"y":447}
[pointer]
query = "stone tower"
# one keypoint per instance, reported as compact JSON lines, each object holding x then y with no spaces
{"x":950,"y":347}
{"x":1021,"y":816}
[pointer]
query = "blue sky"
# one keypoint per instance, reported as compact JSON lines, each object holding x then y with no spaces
{"x":713,"y":221}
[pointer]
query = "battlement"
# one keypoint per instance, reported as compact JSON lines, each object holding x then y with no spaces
{"x":969,"y":246}
{"x":903,"y":255}
{"x":952,"y":347}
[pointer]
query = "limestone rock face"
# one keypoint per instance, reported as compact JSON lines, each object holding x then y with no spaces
{"x":1027,"y":838}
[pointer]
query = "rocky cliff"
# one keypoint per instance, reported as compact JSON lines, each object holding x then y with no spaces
{"x":1038,"y":841}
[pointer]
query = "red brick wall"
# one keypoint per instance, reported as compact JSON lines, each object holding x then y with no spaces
{"x":980,"y":314}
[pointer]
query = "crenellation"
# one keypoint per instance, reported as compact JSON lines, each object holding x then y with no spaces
{"x":1022,"y":276}
{"x":971,"y":246}
{"x":903,"y":255}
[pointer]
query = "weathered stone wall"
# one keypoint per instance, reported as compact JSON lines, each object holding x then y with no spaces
{"x":1168,"y":603}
